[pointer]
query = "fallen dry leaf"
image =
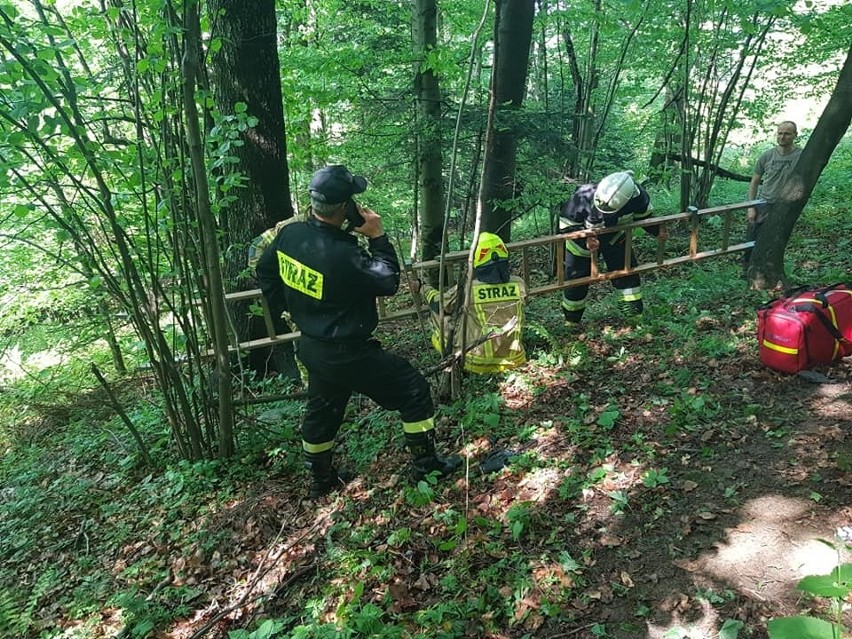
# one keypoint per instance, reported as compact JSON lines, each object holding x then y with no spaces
{"x":688,"y":486}
{"x":688,"y":565}
{"x":422,"y":583}
{"x":398,"y":591}
{"x":610,"y":541}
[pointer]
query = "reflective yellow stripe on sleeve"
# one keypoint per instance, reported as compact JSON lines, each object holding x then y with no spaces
{"x":575,"y":249}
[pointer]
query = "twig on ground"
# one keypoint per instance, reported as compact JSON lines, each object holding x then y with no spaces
{"x":571,"y":633}
{"x":262,"y":570}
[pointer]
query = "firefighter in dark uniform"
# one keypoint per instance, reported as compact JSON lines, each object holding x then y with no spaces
{"x":615,"y":200}
{"x":316,"y":270}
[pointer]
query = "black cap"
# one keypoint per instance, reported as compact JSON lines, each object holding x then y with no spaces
{"x":335,"y":184}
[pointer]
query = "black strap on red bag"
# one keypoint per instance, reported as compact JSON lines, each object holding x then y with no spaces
{"x":821,"y":297}
{"x":831,"y":328}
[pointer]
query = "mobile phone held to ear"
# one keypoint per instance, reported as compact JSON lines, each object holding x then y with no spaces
{"x":353,"y":216}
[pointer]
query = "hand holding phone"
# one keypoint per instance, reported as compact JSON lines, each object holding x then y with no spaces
{"x":353,"y":214}
{"x":372,"y":226}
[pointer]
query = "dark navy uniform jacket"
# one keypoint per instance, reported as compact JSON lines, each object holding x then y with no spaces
{"x":581,"y":207}
{"x":327,"y":282}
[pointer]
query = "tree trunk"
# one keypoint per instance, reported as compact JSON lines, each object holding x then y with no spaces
{"x":247,"y":71}
{"x":686,"y":134}
{"x":429,"y":157}
{"x":513,"y":35}
{"x":572,"y":166}
{"x":586,"y":115}
{"x":766,"y":267}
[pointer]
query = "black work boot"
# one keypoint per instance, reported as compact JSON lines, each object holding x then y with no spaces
{"x":325,"y":478}
{"x":424,"y":459}
{"x":573,"y":319}
{"x":631,"y":308}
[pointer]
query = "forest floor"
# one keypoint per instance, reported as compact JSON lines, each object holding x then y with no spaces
{"x":681,"y":512}
{"x":665,"y":484}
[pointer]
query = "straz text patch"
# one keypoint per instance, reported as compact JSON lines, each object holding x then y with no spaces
{"x":484,"y":293}
{"x":300,"y":277}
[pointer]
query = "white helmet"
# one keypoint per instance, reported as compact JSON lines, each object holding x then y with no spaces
{"x":614,"y":191}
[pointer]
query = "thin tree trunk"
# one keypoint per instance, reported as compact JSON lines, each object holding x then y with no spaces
{"x":429,"y":139}
{"x":215,"y":291}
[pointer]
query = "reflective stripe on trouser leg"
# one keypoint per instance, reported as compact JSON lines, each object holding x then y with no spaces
{"x":420,"y":439}
{"x":577,"y":265}
{"x":324,"y":414}
{"x":573,"y":308}
{"x":422,"y":426}
{"x":630,"y":302}
{"x":317,"y":448}
{"x":630,"y":294}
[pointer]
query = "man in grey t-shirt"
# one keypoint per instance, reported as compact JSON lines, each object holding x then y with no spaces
{"x":770,"y":175}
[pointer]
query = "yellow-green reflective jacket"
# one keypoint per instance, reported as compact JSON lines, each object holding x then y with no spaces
{"x":492,"y":307}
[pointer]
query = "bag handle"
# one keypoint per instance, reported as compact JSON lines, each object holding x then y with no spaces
{"x":831,"y":328}
{"x":818,"y":292}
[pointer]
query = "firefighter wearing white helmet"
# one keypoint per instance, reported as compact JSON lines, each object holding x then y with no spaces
{"x":614,"y":201}
{"x":497,"y":308}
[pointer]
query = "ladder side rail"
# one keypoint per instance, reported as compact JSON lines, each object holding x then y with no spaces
{"x":553,"y":242}
{"x":267,"y":317}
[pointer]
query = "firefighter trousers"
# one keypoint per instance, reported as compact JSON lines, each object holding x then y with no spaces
{"x":336,"y":369}
{"x":578,"y":263}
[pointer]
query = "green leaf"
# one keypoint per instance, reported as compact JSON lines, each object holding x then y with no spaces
{"x":836,"y":584}
{"x":142,"y":628}
{"x":143,"y":65}
{"x":461,"y":526}
{"x":608,"y":418}
{"x":802,"y":628}
{"x":730,"y":629}
{"x":267,"y":629}
{"x":240,"y":107}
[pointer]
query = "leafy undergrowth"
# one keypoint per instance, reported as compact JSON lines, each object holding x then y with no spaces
{"x":663,"y":484}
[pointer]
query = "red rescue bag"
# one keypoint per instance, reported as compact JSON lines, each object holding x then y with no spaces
{"x":806,"y":329}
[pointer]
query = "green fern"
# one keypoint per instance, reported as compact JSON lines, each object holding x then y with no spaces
{"x":536,"y":333}
{"x":16,"y":617}
{"x":11,"y":620}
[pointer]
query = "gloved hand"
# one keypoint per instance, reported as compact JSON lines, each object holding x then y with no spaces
{"x":496,"y":460}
